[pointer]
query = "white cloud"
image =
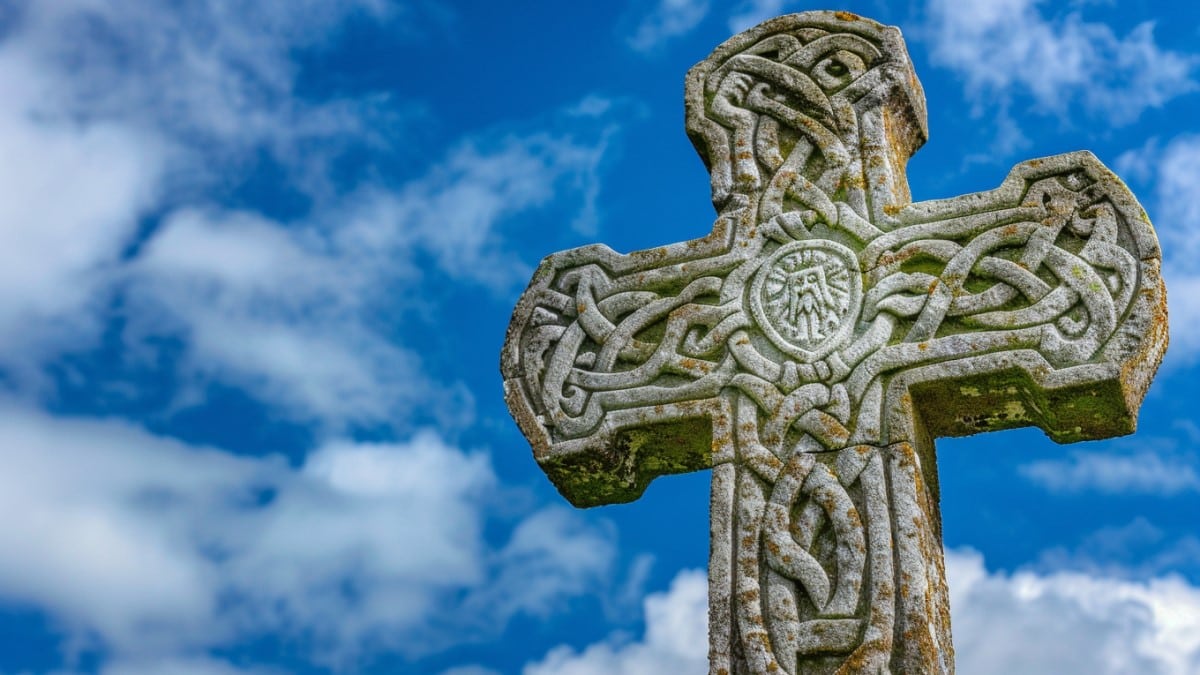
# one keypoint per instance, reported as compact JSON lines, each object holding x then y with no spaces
{"x":675,"y":641}
{"x":1010,"y":47}
{"x":1177,"y":216}
{"x":1183,"y":312}
{"x":671,"y":18}
{"x":1139,"y":164}
{"x":153,"y":552}
{"x":1027,"y":622}
{"x":752,"y":13}
{"x":1069,"y":622}
{"x":157,"y":551}
{"x":1144,"y":473}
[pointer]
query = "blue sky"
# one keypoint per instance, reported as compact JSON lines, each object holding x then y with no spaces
{"x":256,"y":263}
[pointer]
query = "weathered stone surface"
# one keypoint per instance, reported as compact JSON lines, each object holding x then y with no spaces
{"x":816,"y":342}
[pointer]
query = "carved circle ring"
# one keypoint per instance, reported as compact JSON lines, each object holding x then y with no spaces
{"x":806,"y":297}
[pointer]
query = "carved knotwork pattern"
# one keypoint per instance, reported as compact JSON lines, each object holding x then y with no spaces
{"x":819,"y":290}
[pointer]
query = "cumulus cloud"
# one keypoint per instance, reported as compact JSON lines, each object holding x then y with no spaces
{"x":1010,"y":48}
{"x":1177,"y":170}
{"x":546,"y":560}
{"x":1177,"y":217}
{"x":156,"y":551}
{"x":671,"y":18}
{"x":1024,"y":622}
{"x":1183,"y":289}
{"x":1070,"y":622}
{"x":133,"y":125}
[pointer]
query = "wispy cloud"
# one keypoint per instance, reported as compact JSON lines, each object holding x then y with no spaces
{"x":1140,"y":473}
{"x":288,"y":311}
{"x":1178,"y":212}
{"x":1173,"y":170}
{"x":753,"y":12}
{"x":675,"y":640}
{"x":273,"y":310}
{"x":1007,"y":49}
{"x":456,"y":211}
{"x":181,"y":666}
{"x":669,"y":19}
{"x":1137,"y":549}
{"x":217,"y":78}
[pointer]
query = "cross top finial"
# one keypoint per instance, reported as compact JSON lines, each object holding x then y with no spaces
{"x":798,"y":78}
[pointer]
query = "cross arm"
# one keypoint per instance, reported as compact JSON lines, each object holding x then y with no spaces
{"x":612,"y":362}
{"x":1038,"y":303}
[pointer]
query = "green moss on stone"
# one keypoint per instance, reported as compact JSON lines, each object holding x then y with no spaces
{"x":923,"y":263}
{"x":620,"y":471}
{"x":1011,"y":398}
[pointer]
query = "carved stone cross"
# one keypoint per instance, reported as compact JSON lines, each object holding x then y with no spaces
{"x":812,"y":347}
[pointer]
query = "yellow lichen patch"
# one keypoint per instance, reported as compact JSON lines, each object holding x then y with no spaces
{"x":1015,"y":410}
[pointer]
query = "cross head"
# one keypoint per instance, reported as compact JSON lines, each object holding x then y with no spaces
{"x":811,"y":347}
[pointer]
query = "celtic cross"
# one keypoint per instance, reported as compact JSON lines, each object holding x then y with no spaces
{"x":812,"y":346}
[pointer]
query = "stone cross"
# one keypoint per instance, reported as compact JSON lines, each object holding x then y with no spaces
{"x":812,"y":346}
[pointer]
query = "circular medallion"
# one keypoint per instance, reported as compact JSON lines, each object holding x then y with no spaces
{"x":806,"y":297}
